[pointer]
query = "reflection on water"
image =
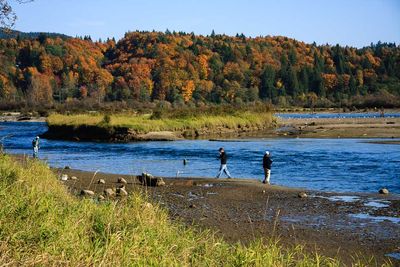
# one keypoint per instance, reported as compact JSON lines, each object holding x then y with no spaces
{"x":342,"y":165}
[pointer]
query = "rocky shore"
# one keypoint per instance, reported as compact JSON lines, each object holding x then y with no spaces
{"x":241,"y":210}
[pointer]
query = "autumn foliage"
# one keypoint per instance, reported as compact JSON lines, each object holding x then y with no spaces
{"x":186,"y":68}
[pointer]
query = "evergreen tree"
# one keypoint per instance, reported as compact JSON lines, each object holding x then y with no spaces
{"x":267,"y":88}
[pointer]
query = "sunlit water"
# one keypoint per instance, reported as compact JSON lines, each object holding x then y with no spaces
{"x":341,"y":165}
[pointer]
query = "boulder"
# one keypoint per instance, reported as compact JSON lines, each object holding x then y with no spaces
{"x":302,"y":195}
{"x":101,"y":181}
{"x":109,"y":192}
{"x":383,"y":191}
{"x":74,"y":178}
{"x":87,"y":192}
{"x":122,"y":186}
{"x":147,"y":205}
{"x":67,"y":168}
{"x":121,"y":192}
{"x":149,"y":180}
{"x":101,"y":197}
{"x":64,"y":177}
{"x":121,"y":180}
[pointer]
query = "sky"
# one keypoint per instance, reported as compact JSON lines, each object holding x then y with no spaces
{"x":345,"y":22}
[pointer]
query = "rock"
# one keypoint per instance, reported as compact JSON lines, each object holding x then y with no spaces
{"x":101,"y":181}
{"x":192,"y":206}
{"x":109,"y":192}
{"x":160,"y":182}
{"x":121,"y":192}
{"x":74,"y":178}
{"x":64,"y":177}
{"x":383,"y":191}
{"x":67,"y":168}
{"x":149,"y":180}
{"x":87,"y":193}
{"x":122,"y":180}
{"x":147,"y":205}
{"x":302,"y":195}
{"x":122,"y":186}
{"x":101,"y":197}
{"x":264,"y":192}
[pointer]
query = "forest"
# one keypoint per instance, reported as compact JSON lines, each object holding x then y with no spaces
{"x":184,"y":69}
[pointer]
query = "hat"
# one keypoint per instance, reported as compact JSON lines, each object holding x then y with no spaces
{"x":267,"y":153}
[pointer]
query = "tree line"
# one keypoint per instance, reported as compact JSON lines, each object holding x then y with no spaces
{"x":188,"y":69}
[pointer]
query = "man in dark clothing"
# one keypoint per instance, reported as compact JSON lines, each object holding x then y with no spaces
{"x":267,"y":162}
{"x":35,"y":146}
{"x":223,"y":157}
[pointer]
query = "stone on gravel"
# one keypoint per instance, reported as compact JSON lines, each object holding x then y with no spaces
{"x":109,"y":192}
{"x":147,"y":205}
{"x":192,"y":206}
{"x":121,"y":192}
{"x":149,"y":180}
{"x":101,"y":181}
{"x":87,"y":193}
{"x":302,"y":195}
{"x":383,"y":191}
{"x":122,"y":180}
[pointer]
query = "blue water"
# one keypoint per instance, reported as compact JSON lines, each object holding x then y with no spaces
{"x":341,"y":165}
{"x":336,"y":115}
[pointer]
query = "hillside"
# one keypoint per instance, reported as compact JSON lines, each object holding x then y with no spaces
{"x":12,"y":34}
{"x":192,"y":69}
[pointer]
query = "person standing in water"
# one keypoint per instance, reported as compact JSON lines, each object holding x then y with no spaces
{"x":267,"y":162}
{"x":35,"y":146}
{"x":223,"y":168}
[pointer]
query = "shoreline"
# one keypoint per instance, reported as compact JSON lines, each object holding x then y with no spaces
{"x":241,"y":210}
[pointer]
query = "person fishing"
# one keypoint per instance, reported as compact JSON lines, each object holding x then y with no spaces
{"x":267,"y":162}
{"x":223,"y":168}
{"x":35,"y":146}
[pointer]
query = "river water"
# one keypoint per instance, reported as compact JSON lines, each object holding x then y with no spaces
{"x":339,"y":165}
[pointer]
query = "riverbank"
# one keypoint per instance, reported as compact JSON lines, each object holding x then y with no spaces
{"x":334,"y":225}
{"x":41,"y":223}
{"x":339,"y":127}
{"x":18,"y":116}
{"x":134,"y":127}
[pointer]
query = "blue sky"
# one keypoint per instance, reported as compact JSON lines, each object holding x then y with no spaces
{"x":347,"y":22}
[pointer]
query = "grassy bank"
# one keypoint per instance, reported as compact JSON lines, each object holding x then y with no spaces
{"x":42,"y":224}
{"x":144,"y":123}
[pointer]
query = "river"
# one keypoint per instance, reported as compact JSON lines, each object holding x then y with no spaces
{"x":339,"y":165}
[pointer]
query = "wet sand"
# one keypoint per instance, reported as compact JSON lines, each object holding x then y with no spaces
{"x":339,"y":127}
{"x":342,"y":225}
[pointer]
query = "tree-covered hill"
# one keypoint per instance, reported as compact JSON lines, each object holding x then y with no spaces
{"x":190,"y":69}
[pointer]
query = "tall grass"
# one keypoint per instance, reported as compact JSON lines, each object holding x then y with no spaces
{"x":42,"y":224}
{"x":146,"y":123}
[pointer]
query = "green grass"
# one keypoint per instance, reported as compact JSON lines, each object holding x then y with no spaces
{"x":41,"y":223}
{"x":145,"y":123}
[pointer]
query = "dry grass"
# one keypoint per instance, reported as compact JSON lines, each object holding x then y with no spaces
{"x":41,"y":223}
{"x":144,"y":123}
